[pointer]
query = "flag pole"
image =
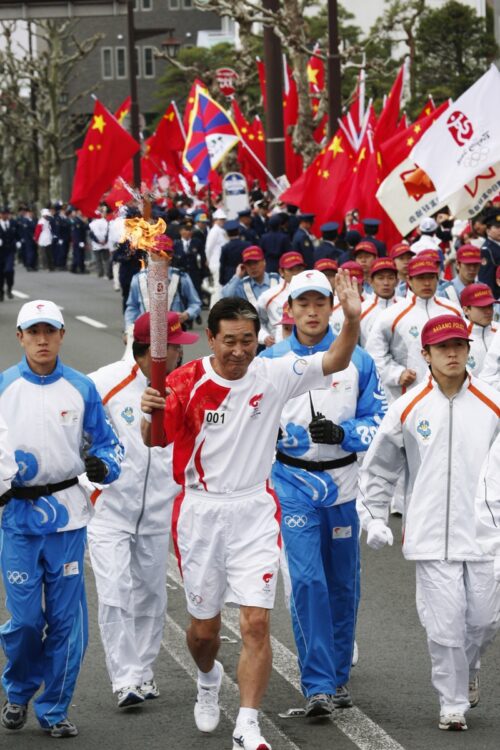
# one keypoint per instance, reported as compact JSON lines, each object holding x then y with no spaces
{"x":261,"y":165}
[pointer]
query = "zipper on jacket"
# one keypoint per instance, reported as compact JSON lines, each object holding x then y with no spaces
{"x":448,"y":483}
{"x":144,"y":492}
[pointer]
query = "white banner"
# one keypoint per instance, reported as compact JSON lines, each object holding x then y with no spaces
{"x":465,"y":140}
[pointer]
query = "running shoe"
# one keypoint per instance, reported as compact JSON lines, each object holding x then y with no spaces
{"x":474,"y":692}
{"x":247,"y":736}
{"x":342,"y":697}
{"x":452,"y":722}
{"x":149,"y":689}
{"x":62,"y":729}
{"x":14,"y":715}
{"x":130,"y":696}
{"x":319,"y":704}
{"x":206,"y":708}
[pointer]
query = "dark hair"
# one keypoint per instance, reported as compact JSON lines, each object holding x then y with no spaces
{"x":139,"y":349}
{"x":232,"y":308}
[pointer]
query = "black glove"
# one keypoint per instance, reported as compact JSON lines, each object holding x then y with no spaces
{"x":4,"y":499}
{"x":96,"y":469}
{"x":323,"y":430}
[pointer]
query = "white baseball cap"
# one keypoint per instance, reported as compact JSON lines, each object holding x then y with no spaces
{"x":309,"y":281}
{"x":220,"y":214}
{"x":428,"y":225}
{"x":39,"y":311}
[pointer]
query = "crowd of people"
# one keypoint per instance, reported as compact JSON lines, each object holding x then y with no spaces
{"x":345,"y":381}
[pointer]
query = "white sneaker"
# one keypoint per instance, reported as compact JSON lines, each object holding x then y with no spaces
{"x":355,"y":655}
{"x":206,"y":708}
{"x":474,"y":692}
{"x":149,"y":689}
{"x":452,"y":722}
{"x":247,"y":736}
{"x":130,"y":696}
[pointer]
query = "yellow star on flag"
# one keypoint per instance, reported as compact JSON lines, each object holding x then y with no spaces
{"x":410,"y":141}
{"x":99,"y":123}
{"x":122,"y":116}
{"x":417,"y":129}
{"x":169,"y":116}
{"x":312,"y":75}
{"x":362,"y":154}
{"x":326,"y":174}
{"x":336,"y":146}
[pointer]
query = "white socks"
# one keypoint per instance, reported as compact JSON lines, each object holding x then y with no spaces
{"x":247,"y":714}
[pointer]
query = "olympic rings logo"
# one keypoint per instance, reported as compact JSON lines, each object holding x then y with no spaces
{"x":195,"y":598}
{"x":295,"y":522}
{"x":16,"y":576}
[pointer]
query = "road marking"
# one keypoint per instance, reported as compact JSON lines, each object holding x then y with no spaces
{"x":90,"y":321}
{"x":356,"y":725}
{"x":175,"y":645}
{"x":20,"y":295}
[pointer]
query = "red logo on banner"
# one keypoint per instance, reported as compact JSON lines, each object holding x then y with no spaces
{"x":226,"y":78}
{"x":460,"y":127}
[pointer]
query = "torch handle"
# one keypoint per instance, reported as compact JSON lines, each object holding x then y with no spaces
{"x":158,"y":308}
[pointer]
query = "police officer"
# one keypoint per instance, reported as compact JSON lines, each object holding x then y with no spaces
{"x":303,"y":240}
{"x":327,"y":247}
{"x":79,"y":229}
{"x":200,"y":229}
{"x":61,"y":235}
{"x":371,"y":227}
{"x":28,"y":251}
{"x":8,"y":237}
{"x":259,"y":221}
{"x":189,"y":254}
{"x":246,"y":230}
{"x":230,"y":254}
{"x":490,"y":251}
{"x":251,"y":277}
{"x":275,"y":242}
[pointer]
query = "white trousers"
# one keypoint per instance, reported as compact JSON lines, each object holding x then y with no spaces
{"x":459,"y":606}
{"x":130,"y":573}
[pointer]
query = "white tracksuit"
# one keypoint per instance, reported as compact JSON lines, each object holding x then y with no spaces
{"x":482,"y":338}
{"x":216,"y":238}
{"x":490,"y":372}
{"x":394,"y":340}
{"x":129,"y":535}
{"x":436,"y":442}
{"x":370,"y":311}
{"x":487,"y":503}
{"x":270,"y":308}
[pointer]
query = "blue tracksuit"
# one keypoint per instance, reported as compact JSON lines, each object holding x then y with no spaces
{"x":319,"y":519}
{"x":42,"y":542}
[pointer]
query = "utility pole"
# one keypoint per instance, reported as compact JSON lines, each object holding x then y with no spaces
{"x":334,"y":75}
{"x":134,"y":103}
{"x":33,"y":104}
{"x":273,"y":66}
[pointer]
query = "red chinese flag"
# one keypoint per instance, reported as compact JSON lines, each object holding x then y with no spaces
{"x":315,"y":77}
{"x":123,"y":110}
{"x":427,"y":110}
{"x":248,"y":164}
{"x":293,"y":161}
{"x":261,"y":71}
{"x":106,"y":149}
{"x":388,"y":120}
{"x":168,"y":135}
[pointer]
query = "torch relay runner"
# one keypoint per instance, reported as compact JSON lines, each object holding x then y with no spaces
{"x":222,"y":414}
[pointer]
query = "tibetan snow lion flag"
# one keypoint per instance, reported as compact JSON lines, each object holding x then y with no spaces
{"x":211,"y":135}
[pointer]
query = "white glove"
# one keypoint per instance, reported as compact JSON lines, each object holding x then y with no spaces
{"x":18,"y":245}
{"x":378,"y":534}
{"x":496,"y":568}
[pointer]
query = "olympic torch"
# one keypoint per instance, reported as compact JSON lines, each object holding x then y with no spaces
{"x":145,"y":236}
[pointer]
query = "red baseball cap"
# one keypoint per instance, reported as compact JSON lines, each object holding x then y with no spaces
{"x":477,"y":295}
{"x":291,"y":259}
{"x":354,"y":269}
{"x":175,"y":333}
{"x":430,"y":255}
{"x":383,"y":264}
{"x":400,"y":248}
{"x":254,"y":252}
{"x":366,"y":247}
{"x":418,"y":266}
{"x":442,"y":328}
{"x":468,"y":254}
{"x":326,"y":264}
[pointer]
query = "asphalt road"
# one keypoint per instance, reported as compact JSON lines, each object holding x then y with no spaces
{"x":395,"y":705}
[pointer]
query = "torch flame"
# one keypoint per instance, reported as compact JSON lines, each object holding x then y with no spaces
{"x":150,"y":237}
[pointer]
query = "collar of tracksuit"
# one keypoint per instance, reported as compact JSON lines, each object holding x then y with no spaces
{"x":32,"y":377}
{"x":321,"y":346}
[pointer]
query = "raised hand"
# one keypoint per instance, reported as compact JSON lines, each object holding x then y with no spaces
{"x":346,"y":289}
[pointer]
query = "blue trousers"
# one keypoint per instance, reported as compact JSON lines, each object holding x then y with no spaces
{"x":43,"y":644}
{"x":322,"y":549}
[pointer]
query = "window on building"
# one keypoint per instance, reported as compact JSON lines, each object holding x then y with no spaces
{"x":187,"y":4}
{"x":138,"y":62}
{"x":174,"y":4}
{"x":147,"y":4}
{"x":121,"y":62}
{"x":148,"y":62}
{"x":107,"y":62}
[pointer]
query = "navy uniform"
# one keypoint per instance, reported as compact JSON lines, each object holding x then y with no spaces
{"x":490,"y":254}
{"x":371,"y":228}
{"x":230,"y":254}
{"x":79,"y":229}
{"x":259,"y":224}
{"x":275,"y":242}
{"x":200,"y":229}
{"x":292,"y":223}
{"x":189,"y":256}
{"x":25,"y":229}
{"x":303,"y":241}
{"x":182,"y":296}
{"x":327,"y":247}
{"x":61,"y":236}
{"x":246,"y":231}
{"x":8,"y":237}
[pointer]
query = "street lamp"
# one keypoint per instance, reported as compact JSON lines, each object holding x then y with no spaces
{"x":172,"y":45}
